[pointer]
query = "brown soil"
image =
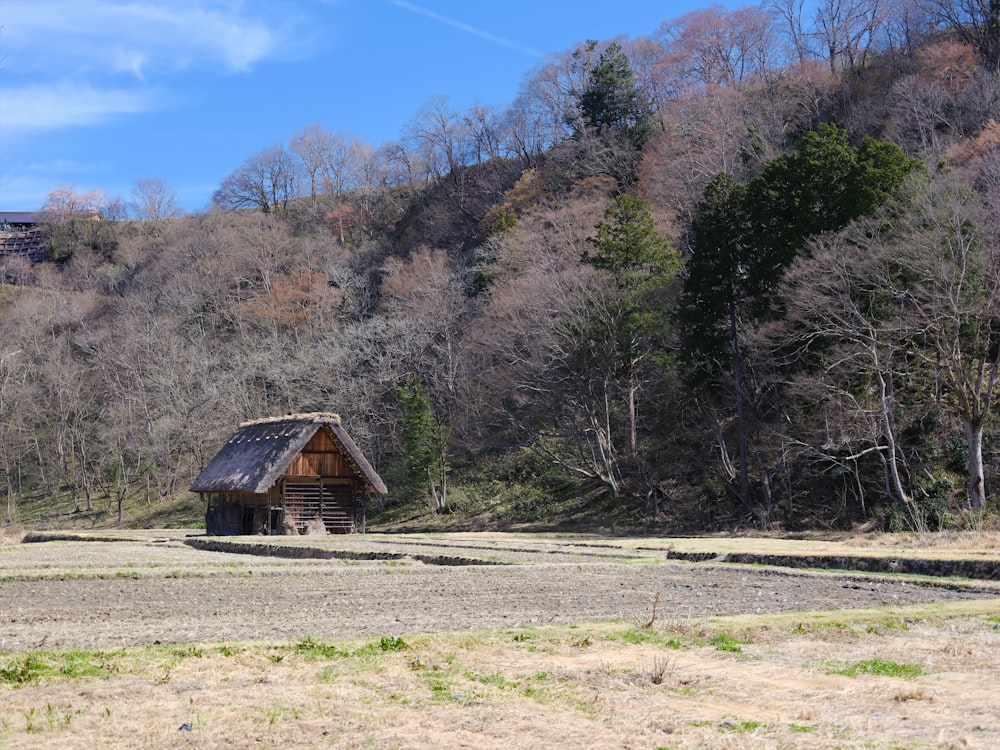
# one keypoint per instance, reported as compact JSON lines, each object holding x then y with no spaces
{"x":535,"y":668}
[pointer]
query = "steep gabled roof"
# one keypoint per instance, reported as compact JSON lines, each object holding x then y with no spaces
{"x":255,"y":456}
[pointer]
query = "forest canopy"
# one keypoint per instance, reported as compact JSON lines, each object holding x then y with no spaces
{"x":742,"y":271}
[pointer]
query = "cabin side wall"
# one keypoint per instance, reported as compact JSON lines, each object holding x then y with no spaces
{"x":240,"y":513}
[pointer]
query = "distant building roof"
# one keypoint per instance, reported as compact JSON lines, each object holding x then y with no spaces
{"x":34,"y":218}
{"x":23,"y":218}
{"x":259,"y":451}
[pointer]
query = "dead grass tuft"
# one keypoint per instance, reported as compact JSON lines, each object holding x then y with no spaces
{"x":12,"y":533}
{"x":914,"y":694}
{"x":955,"y":541}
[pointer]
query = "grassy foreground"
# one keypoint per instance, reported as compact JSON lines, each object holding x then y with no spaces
{"x":910,"y":677}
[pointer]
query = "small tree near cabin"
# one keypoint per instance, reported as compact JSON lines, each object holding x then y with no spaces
{"x":425,"y":444}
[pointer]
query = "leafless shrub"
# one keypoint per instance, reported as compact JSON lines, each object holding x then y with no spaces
{"x":642,"y":622}
{"x":681,"y":625}
{"x":658,"y":670}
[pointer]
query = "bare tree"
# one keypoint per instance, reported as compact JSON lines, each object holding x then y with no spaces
{"x":650,"y":65}
{"x":950,"y":245}
{"x":948,"y":96}
{"x":13,"y":430}
{"x":844,"y":311}
{"x":848,"y":29}
{"x":267,"y":180}
{"x":331,"y":162}
{"x":442,"y":138}
{"x":975,"y":21}
{"x":526,"y":131}
{"x":551,"y":91}
{"x":705,"y":133}
{"x":727,"y":48}
{"x":908,"y":23}
{"x":792,"y":13}
{"x":153,"y":199}
{"x":482,"y":123}
{"x":66,"y":203}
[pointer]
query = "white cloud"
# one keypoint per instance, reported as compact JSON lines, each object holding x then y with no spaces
{"x":133,"y":37}
{"x":467,"y":28}
{"x":51,"y":106}
{"x":131,"y":61}
{"x":78,"y":62}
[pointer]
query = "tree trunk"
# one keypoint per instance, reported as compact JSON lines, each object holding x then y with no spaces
{"x":443,"y":493}
{"x":631,"y":431}
{"x":888,"y":418}
{"x":10,"y":494}
{"x":602,"y":439}
{"x":740,"y":408}
{"x":977,"y":482}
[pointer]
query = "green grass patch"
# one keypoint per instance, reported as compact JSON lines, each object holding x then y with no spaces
{"x":651,"y":636}
{"x":31,"y":667}
{"x":24,"y":670}
{"x":77,"y":664}
{"x":726,"y":642}
{"x":878,"y":668}
{"x":802,"y":628}
{"x":440,"y":686}
{"x":742,"y":727}
{"x":329,"y":673}
{"x":392,"y":643}
{"x":496,"y":679}
{"x":314,"y":650}
{"x":803,"y":728}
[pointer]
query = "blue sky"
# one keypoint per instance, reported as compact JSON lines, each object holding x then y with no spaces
{"x":99,"y":93}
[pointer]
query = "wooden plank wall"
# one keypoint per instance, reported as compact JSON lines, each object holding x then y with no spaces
{"x":320,"y":458}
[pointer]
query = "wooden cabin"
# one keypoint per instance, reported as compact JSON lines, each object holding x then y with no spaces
{"x":288,"y":475}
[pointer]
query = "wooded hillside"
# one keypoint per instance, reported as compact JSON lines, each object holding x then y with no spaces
{"x":744,"y":271}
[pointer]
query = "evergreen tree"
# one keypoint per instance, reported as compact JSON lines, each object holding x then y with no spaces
{"x":640,"y":262}
{"x":610,"y":102}
{"x":425,"y":444}
{"x":819,"y":187}
{"x":628,"y":245}
{"x":744,"y":237}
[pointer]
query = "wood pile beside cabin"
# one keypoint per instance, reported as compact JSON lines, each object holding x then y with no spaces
{"x":296,"y":474}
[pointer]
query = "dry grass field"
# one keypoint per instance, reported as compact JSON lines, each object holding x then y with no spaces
{"x":493,"y":641}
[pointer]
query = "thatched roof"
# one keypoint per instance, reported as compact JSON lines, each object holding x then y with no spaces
{"x":255,"y":456}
